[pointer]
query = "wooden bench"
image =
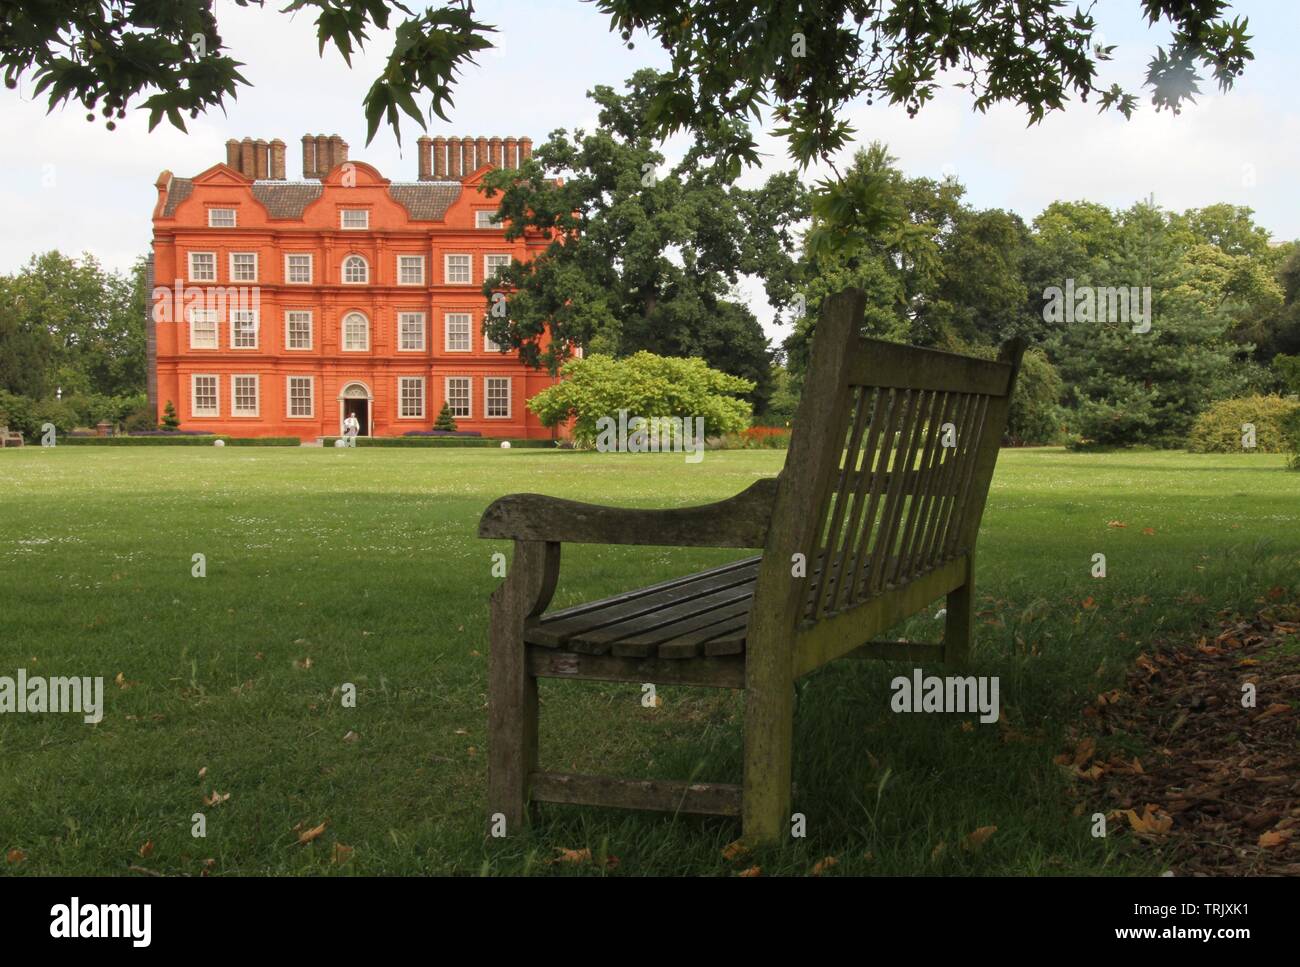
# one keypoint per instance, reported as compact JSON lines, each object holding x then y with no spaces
{"x":10,"y":438}
{"x":882,"y":492}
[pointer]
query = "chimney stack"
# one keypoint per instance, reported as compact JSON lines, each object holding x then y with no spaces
{"x":509,"y":160}
{"x":425,"y":150}
{"x":261,"y":152}
{"x":232,"y":154}
{"x":525,"y":150}
{"x":308,"y":156}
{"x":453,"y":158}
{"x":338,"y":151}
{"x":494,"y":156}
{"x":322,"y":156}
{"x":277,"y":160}
{"x":481,"y":153}
{"x":439,"y":158}
{"x":467,"y":157}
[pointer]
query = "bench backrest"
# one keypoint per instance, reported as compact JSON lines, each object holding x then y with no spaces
{"x":888,"y":470}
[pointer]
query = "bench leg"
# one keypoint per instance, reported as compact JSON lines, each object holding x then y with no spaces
{"x":959,"y":628}
{"x":512,"y":690}
{"x":769,"y":739}
{"x":512,"y":726}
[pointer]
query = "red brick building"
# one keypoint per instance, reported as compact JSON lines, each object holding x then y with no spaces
{"x":282,"y":306}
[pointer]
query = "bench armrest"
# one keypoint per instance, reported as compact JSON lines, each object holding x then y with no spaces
{"x":739,"y":521}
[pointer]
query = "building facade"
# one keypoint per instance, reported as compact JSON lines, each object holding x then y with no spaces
{"x":280,"y":307}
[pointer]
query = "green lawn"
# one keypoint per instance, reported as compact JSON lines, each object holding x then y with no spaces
{"x":365,"y":562}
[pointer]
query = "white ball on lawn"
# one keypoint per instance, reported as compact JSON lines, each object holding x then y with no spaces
{"x":339,"y":443}
{"x":218,"y":443}
{"x":505,"y":444}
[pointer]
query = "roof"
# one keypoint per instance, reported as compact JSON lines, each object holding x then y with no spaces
{"x":424,"y":201}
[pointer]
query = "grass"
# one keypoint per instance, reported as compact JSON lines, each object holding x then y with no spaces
{"x":365,"y":562}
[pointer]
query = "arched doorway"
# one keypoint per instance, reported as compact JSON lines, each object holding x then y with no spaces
{"x":356,"y":400}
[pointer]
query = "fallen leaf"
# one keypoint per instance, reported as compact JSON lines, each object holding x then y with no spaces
{"x":1153,"y":822}
{"x":1149,"y":531}
{"x":146,"y":850}
{"x":734,"y":849}
{"x":1277,"y":708}
{"x":203,"y":772}
{"x":341,"y":854}
{"x":937,"y":852}
{"x":1084,"y":750}
{"x":1116,"y":523}
{"x":752,"y":871}
{"x":977,"y":839}
{"x":1088,"y":603}
{"x":574,"y":857}
{"x":15,"y":856}
{"x":215,"y":799}
{"x":304,"y":664}
{"x":350,"y":736}
{"x":307,"y":835}
{"x":1273,"y":838}
{"x":824,"y":864}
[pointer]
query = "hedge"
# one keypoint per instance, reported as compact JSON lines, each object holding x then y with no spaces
{"x":441,"y":441}
{"x":177,"y":441}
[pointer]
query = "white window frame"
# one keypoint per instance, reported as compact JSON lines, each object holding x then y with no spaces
{"x":492,"y":219}
{"x":212,"y":320}
{"x":401,"y":400}
{"x":194,"y":395}
{"x":235,"y":412}
{"x":365,"y":219}
{"x":200,"y":278}
{"x":234,"y":218}
{"x":288,"y":398}
{"x":490,"y":345}
{"x":446,"y":268}
{"x":400,"y":270}
{"x":488,"y":273}
{"x":234,"y":329}
{"x":343,"y":269}
{"x":234,"y":274}
{"x":487,"y":408}
{"x":469,"y":396}
{"x":401,"y":333}
{"x":288,"y":271}
{"x":447,"y":347}
{"x":343,"y":332}
{"x":288,"y":330}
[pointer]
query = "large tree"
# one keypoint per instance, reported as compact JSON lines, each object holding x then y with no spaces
{"x":641,"y":256}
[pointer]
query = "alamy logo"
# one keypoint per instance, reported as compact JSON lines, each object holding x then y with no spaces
{"x":952,"y":694}
{"x":72,"y":921}
{"x":1087,"y":303}
{"x":35,"y":693}
{"x":658,"y":434}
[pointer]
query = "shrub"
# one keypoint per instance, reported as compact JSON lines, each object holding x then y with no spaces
{"x":1035,"y":411}
{"x":646,"y":386}
{"x":1287,"y":369}
{"x":19,"y":414}
{"x":141,"y":418}
{"x":1219,"y":428}
{"x":170,"y":420}
{"x":179,"y":440}
{"x":1291,"y":434}
{"x":445,"y":421}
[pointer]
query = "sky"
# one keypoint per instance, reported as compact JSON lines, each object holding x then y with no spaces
{"x":71,"y":185}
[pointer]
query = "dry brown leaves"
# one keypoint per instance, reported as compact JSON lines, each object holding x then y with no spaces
{"x":1219,"y":794}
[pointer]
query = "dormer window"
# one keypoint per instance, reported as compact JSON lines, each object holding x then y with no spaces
{"x":354,"y":218}
{"x":221,"y":218}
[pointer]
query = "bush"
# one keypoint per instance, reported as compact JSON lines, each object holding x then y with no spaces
{"x":445,"y":421}
{"x":19,"y":414}
{"x":179,"y":440}
{"x":645,"y":386}
{"x":1034,"y":419}
{"x":1291,"y":434}
{"x":142,"y":418}
{"x":441,"y":441}
{"x":1219,"y":428}
{"x":1287,"y":369}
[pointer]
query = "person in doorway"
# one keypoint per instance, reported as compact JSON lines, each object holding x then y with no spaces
{"x":351,"y":427}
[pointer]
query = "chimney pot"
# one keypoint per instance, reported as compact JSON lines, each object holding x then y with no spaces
{"x":323,"y":164}
{"x":481,"y":153}
{"x":494,"y":155}
{"x":509,"y":160}
{"x":308,"y":156}
{"x":525,"y":150}
{"x":246,"y":163}
{"x":232,"y":153}
{"x":440,"y":158}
